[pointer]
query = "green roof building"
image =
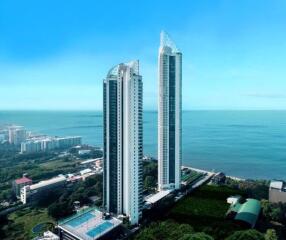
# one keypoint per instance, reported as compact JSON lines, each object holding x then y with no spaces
{"x":245,"y":213}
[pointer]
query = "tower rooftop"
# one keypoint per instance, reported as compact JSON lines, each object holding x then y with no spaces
{"x":132,"y":64}
{"x":166,"y":41}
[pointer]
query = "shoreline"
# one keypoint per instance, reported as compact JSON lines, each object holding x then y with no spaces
{"x":210,"y":172}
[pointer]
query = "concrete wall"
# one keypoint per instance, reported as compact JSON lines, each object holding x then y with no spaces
{"x":276,"y":196}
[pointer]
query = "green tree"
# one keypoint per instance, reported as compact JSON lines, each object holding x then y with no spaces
{"x":274,"y":211}
{"x":60,"y":209}
{"x":149,"y":182}
{"x":166,"y":230}
{"x":196,"y":236}
{"x":246,"y":235}
{"x":266,"y":208}
{"x":3,"y":221}
{"x":276,"y":214}
{"x":271,"y":235}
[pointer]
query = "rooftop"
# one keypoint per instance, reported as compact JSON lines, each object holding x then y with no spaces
{"x":88,"y":224}
{"x":44,"y":183}
{"x":91,"y":160}
{"x":249,"y":211}
{"x":84,"y":171}
{"x":166,"y":41}
{"x":15,"y":127}
{"x":158,"y":196}
{"x":277,"y":184}
{"x":132,"y":64}
{"x":246,"y":212}
{"x":23,"y":180}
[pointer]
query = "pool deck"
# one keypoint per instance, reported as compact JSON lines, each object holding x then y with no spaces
{"x":88,"y":225}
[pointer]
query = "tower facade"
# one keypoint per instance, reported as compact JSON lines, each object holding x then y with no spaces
{"x":123,"y":140}
{"x":169,"y":114}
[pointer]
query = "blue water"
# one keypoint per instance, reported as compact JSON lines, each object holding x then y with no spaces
{"x":248,"y":144}
{"x":99,"y":229}
{"x":80,"y":220}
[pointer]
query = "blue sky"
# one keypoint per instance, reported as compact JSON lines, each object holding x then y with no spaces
{"x":55,"y":54}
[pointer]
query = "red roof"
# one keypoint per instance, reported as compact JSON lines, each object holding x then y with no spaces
{"x":23,"y":180}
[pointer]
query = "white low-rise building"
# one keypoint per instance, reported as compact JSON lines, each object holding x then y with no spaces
{"x":32,"y":192}
{"x":85,"y":171}
{"x":45,"y":143}
{"x":277,"y":192}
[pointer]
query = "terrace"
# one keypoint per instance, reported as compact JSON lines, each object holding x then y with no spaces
{"x":88,"y":224}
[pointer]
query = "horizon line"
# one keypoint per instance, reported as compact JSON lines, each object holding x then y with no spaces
{"x":146,"y":110}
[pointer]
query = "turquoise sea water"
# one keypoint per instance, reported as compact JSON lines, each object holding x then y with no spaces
{"x":248,"y":144}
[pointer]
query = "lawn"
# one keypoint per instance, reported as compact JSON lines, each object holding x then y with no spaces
{"x":22,"y":222}
{"x":60,"y":163}
{"x":205,"y":210}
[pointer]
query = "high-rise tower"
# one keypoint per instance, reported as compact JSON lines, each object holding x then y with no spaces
{"x":169,"y":114}
{"x":123,"y":140}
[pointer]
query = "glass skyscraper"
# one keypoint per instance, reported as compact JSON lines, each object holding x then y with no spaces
{"x":123,"y":140}
{"x":169,"y":114}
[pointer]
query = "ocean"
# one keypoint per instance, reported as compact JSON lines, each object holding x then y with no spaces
{"x":246,"y":144}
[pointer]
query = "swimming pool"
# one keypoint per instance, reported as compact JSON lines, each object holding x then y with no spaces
{"x":99,"y":229}
{"x":80,"y":220}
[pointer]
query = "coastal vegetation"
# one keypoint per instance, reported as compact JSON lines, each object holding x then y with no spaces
{"x":53,"y":205}
{"x":19,"y":224}
{"x":150,"y":175}
{"x":49,"y":208}
{"x":170,"y":230}
{"x":257,"y":189}
{"x":38,"y":166}
{"x":205,"y":211}
{"x":203,"y":215}
{"x":81,"y":191}
{"x":246,"y":235}
{"x":199,"y":216}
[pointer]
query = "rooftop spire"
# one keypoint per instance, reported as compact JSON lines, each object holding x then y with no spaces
{"x":166,"y":41}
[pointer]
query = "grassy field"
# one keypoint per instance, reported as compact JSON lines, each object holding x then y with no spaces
{"x":205,"y":210}
{"x":60,"y":163}
{"x":23,"y":221}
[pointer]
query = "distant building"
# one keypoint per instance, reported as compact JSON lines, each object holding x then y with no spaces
{"x":219,"y":178}
{"x":31,"y":147}
{"x":98,"y":163}
{"x":85,"y":171}
{"x":84,"y":152}
{"x":169,"y":114}
{"x":20,"y":183}
{"x":67,"y":142}
{"x":33,"y":192}
{"x":4,"y":134}
{"x":44,"y":143}
{"x":17,"y":135}
{"x":2,"y":137}
{"x":123,"y":140}
{"x":244,"y":213}
{"x":88,"y":224}
{"x":277,"y":192}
